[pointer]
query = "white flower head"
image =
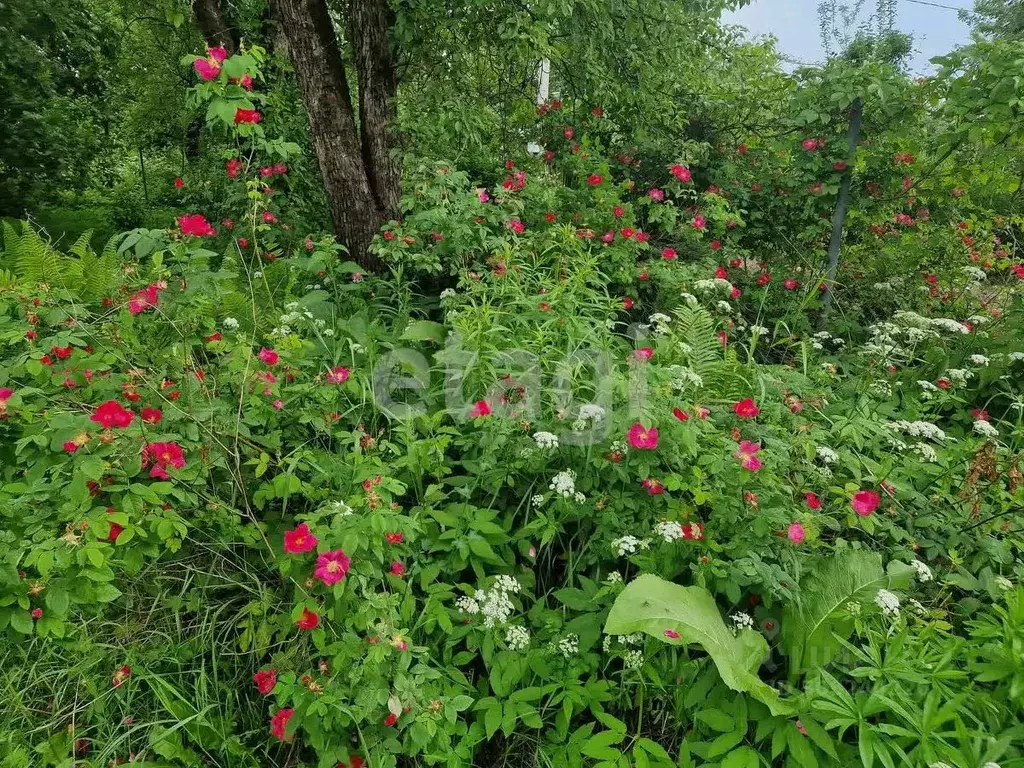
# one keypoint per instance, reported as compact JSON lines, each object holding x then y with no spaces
{"x":546,"y":440}
{"x":741,"y":620}
{"x":517,"y":638}
{"x":888,"y":602}
{"x":564,"y":483}
{"x":924,"y":573}
{"x":569,"y":645}
{"x":983,"y":428}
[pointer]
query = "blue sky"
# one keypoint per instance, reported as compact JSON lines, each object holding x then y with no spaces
{"x":795,"y":24}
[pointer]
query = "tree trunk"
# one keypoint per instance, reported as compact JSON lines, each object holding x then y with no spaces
{"x":839,"y":215}
{"x":214,"y":26}
{"x":320,"y":73}
{"x":370,"y":23}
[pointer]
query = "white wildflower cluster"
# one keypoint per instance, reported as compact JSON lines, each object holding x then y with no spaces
{"x":983,"y":428}
{"x":881,"y":387}
{"x":230,"y":324}
{"x":294,"y":318}
{"x":448,"y":293}
{"x":668,"y":530}
{"x":1014,"y":356}
{"x":633,"y":659}
{"x":568,"y":645}
{"x":826,"y":455}
{"x":338,"y":508}
{"x":591,"y":412}
{"x":537,"y":499}
{"x":468,"y":605}
{"x":614,"y":578}
{"x":517,"y":638}
{"x":495,"y":604}
{"x":924,"y":573}
{"x":948,"y":325}
{"x":926,"y":452}
{"x":979,"y":360}
{"x":564,"y":483}
{"x":660,"y":323}
{"x":882,"y":286}
{"x":916,"y":605}
{"x":689,"y":299}
{"x":977,"y":319}
{"x":741,"y":620}
{"x":888,"y":602}
{"x":974,"y":273}
{"x":619,"y":446}
{"x":927,"y":386}
{"x":715,"y":284}
{"x":760,"y":330}
{"x":628,"y":545}
{"x":546,"y":440}
{"x":959,"y":376}
{"x":1003,"y":583}
{"x":923,"y":429}
{"x":683,"y":377}
{"x":821,"y":338}
{"x":896,"y":444}
{"x":723,"y":306}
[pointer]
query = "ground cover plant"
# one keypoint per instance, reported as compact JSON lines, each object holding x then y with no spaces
{"x":637,"y":425}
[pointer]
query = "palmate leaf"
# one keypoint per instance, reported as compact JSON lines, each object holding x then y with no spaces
{"x":652,"y":605}
{"x":810,"y":629}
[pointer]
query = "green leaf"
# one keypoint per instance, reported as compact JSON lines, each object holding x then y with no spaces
{"x":744,"y":757}
{"x":809,"y":629}
{"x":716,"y":719}
{"x":21,"y":622}
{"x":424,"y":330}
{"x":652,"y":605}
{"x":57,"y":600}
{"x":600,"y":745}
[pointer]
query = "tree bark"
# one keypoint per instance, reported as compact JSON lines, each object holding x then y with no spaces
{"x":212,"y":23}
{"x":370,"y":23}
{"x":320,"y":72}
{"x":839,"y":215}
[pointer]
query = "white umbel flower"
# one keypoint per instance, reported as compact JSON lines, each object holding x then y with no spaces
{"x":888,"y":602}
{"x":633,"y":659}
{"x":546,"y":440}
{"x":826,"y":454}
{"x":742,"y":620}
{"x":983,"y":428}
{"x":569,"y":645}
{"x":564,"y":483}
{"x":517,"y":638}
{"x":669,"y":531}
{"x":924,"y":573}
{"x":468,"y":605}
{"x":627,"y":545}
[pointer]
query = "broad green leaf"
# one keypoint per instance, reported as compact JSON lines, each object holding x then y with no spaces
{"x":809,"y":630}
{"x":424,"y":330}
{"x":652,"y":605}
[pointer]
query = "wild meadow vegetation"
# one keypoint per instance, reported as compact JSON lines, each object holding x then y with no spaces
{"x":359,"y":407}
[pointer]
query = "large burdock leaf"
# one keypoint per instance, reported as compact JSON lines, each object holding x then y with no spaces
{"x":690,"y":616}
{"x":810,"y":629}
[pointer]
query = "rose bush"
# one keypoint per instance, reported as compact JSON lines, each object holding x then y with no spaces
{"x":262,"y":508}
